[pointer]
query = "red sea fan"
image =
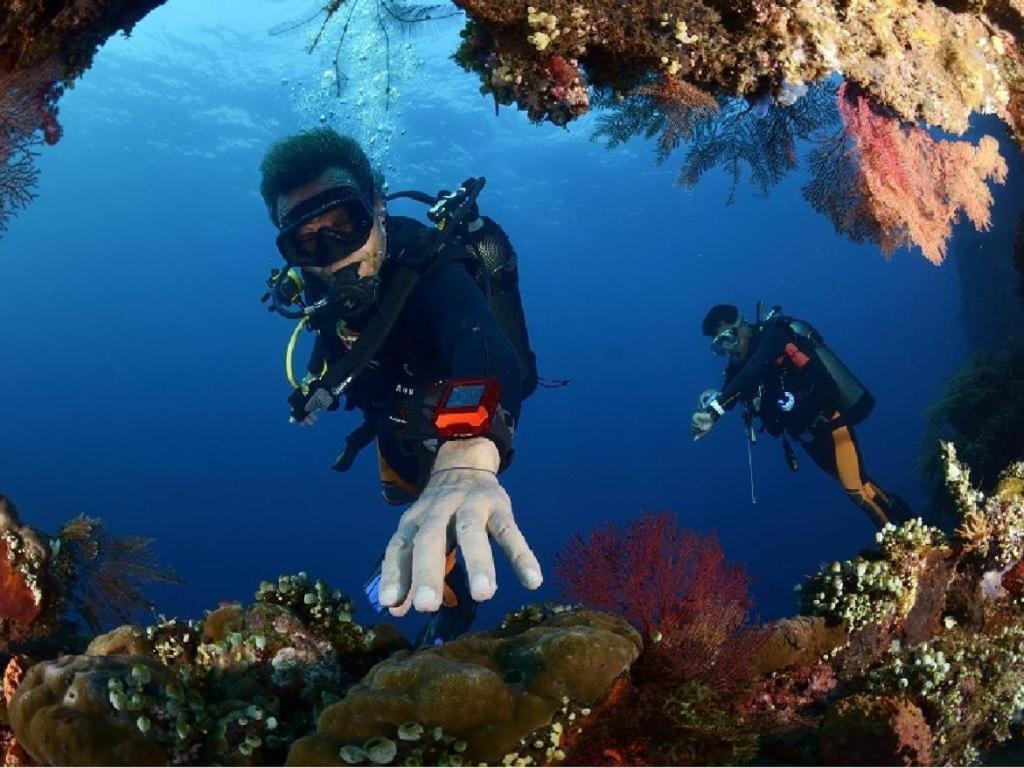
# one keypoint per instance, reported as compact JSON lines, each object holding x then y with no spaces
{"x":658,"y":577}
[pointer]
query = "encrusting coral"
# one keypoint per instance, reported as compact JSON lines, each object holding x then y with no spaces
{"x":739,"y":77}
{"x":45,"y":46}
{"x":920,"y":59}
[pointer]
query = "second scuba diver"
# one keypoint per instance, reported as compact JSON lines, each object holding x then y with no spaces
{"x":782,"y":372}
{"x":421,"y":329}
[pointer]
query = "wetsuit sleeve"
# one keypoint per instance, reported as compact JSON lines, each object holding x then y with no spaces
{"x":743,"y":381}
{"x":449,"y":314}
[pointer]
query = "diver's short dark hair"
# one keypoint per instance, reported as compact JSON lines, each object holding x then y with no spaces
{"x":298,"y":159}
{"x":718,"y":314}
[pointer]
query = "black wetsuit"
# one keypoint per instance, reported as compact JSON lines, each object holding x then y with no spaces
{"x":446,"y":330}
{"x":793,"y":392}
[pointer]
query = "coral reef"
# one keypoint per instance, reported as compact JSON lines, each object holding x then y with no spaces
{"x":240,"y":685}
{"x":520,"y":680}
{"x":879,"y":730}
{"x":82,"y":572}
{"x":742,"y":79}
{"x":910,"y":656}
{"x":27,"y":109}
{"x":32,"y":31}
{"x":691,"y":607}
{"x":922,"y":60}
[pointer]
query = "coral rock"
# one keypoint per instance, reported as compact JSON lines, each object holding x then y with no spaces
{"x":798,"y":641}
{"x":22,"y":558}
{"x":488,"y":689}
{"x":866,"y":730}
{"x":127,"y":640}
{"x":62,"y":715}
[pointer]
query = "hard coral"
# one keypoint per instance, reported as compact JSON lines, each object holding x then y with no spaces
{"x":867,"y":730}
{"x":878,"y":590}
{"x":494,"y":691}
{"x":992,"y":527}
{"x":61,"y":713}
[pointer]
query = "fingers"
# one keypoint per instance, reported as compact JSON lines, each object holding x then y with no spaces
{"x":396,"y":570}
{"x":512,"y":542}
{"x":429,"y":553}
{"x":471,"y":534}
{"x":398,"y":611}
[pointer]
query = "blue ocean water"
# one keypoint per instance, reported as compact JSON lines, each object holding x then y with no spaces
{"x":142,"y":380}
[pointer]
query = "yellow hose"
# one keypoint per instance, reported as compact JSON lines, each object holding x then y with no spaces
{"x":289,"y":353}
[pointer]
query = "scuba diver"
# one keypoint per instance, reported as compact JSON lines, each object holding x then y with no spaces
{"x":783,"y":373}
{"x":421,"y":329}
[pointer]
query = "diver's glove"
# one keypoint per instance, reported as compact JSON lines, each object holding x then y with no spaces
{"x":708,"y":412}
{"x":463,"y":489}
{"x":701,"y":423}
{"x":307,"y":405}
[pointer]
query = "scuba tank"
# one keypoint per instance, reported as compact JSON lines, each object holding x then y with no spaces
{"x":495,"y":267}
{"x":855,"y":401}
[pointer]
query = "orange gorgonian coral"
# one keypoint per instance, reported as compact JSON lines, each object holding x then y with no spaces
{"x":915,"y":186}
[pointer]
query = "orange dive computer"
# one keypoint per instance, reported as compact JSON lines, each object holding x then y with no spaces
{"x":467,"y":407}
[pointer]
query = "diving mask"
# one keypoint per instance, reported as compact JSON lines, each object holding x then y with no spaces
{"x":726,"y":342}
{"x":348,"y":221}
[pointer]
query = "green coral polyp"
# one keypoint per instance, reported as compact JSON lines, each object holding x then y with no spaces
{"x":869,"y":591}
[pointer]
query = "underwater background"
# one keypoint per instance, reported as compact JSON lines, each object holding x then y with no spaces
{"x":142,"y":381}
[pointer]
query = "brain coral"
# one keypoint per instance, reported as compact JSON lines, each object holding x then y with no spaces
{"x":487,"y":690}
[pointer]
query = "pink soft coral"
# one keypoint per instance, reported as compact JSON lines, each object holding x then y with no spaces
{"x":915,"y":186}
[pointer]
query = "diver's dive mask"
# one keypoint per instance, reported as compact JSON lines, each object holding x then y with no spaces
{"x":343,"y":233}
{"x":726,"y":342}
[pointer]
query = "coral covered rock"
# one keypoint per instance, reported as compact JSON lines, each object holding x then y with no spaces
{"x":866,"y":730}
{"x":23,"y":558}
{"x":34,"y":30}
{"x":797,"y":642}
{"x":62,"y":713}
{"x":488,"y":692}
{"x":919,"y":58}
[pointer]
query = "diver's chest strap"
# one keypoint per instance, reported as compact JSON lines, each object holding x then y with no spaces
{"x":340,"y":376}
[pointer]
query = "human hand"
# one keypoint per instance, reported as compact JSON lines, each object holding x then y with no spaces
{"x":701,"y":423}
{"x":463,"y":493}
{"x":307,"y":405}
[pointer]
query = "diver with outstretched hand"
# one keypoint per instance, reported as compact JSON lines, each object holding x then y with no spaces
{"x":421,"y":329}
{"x":783,"y":373}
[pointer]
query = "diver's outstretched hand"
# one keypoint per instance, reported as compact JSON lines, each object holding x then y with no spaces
{"x":701,"y":423}
{"x":463,"y":489}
